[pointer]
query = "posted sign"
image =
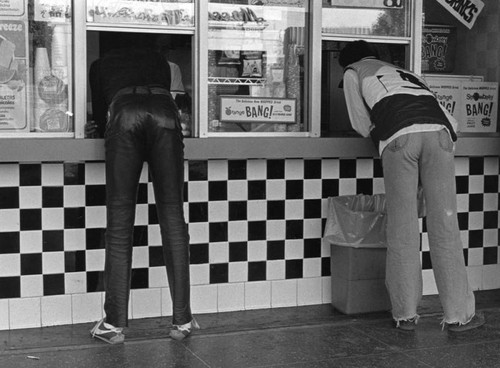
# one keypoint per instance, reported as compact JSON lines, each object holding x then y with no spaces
{"x":480,"y":106}
{"x":466,"y":11}
{"x":247,"y":109}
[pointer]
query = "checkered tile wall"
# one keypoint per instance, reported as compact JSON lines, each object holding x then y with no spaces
{"x":249,"y":220}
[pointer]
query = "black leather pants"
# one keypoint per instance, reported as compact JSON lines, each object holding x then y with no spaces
{"x":144,"y":126}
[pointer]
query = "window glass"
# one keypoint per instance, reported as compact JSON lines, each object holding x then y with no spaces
{"x":256,"y":64}
{"x":35,"y":67}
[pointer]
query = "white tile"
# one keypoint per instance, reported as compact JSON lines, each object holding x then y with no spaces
{"x":4,"y":314}
{"x":166,"y":302}
{"x":294,"y":249}
{"x":10,"y":265}
{"x":256,"y":169}
{"x":140,"y":257}
{"x":284,"y":293}
{"x":74,"y":196}
{"x":258,"y":295}
{"x":257,"y":251}
{"x":75,"y":282}
{"x":490,"y":238}
{"x":56,"y":310}
{"x":217,"y":170}
{"x":52,"y":263}
{"x":378,"y":186}
{"x":87,"y":307}
{"x":364,"y":168}
{"x":31,"y":242}
{"x":238,"y":231}
{"x":476,"y":257}
{"x":476,"y":184}
{"x":294,"y":169}
{"x":74,"y":239}
{"x":462,"y":203}
{"x":144,"y":173}
{"x":204,"y":298}
{"x":275,"y":189}
{"x":312,"y":188}
{"x":30,"y":197}
{"x":197,"y":191}
{"x":9,"y":175}
{"x":476,"y":221}
{"x":157,"y":277}
{"x":95,"y":173}
{"x":326,"y":286}
{"x":31,"y":286}
{"x":238,"y":271}
{"x":309,"y":291}
{"x":312,"y":267}
{"x":347,"y":187}
{"x":146,"y":303}
{"x":52,"y":174}
{"x":95,"y":217}
{"x":461,"y":166}
{"x":425,"y":242}
{"x":237,"y":190}
{"x":218,"y":211}
{"x":429,"y":283}
{"x":276,"y":229}
{"x":475,"y":276}
{"x":490,"y":202}
{"x":10,"y":220}
{"x":276,"y":270}
{"x":218,"y":252}
{"x":491,"y":166}
{"x":154,"y":235}
{"x":312,"y":228}
{"x":198,"y":233}
{"x":24,"y":313}
{"x":200,"y":274}
{"x":52,"y":218}
{"x":231,"y":297}
{"x":491,"y":277}
{"x":257,"y":210}
{"x":294,"y":209}
{"x":94,"y":260}
{"x":141,"y":214}
{"x":330,"y":168}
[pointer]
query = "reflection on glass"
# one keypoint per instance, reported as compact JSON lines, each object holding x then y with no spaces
{"x":381,"y":18}
{"x":256,"y":64}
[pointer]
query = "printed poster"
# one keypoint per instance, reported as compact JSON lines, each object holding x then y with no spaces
{"x":248,"y":109}
{"x":466,"y":12}
{"x":13,"y":75}
{"x":12,"y":8}
{"x":480,"y":107}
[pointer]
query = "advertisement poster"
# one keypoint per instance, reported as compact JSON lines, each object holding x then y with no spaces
{"x":438,"y":48}
{"x":13,"y":75}
{"x":376,"y":4}
{"x":247,"y":109}
{"x":449,"y":94}
{"x":58,"y":11}
{"x":12,"y":8}
{"x":466,"y":12}
{"x":480,"y":107}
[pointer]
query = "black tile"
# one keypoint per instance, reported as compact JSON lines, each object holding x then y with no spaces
{"x":95,"y":238}
{"x":155,"y":256}
{"x":237,"y":169}
{"x":294,"y":189}
{"x":74,"y":261}
{"x":152,"y":214}
{"x":293,"y":268}
{"x":237,"y":210}
{"x":476,"y":238}
{"x":476,"y":202}
{"x":31,"y":219}
{"x":256,"y":189}
{"x":10,"y":287}
{"x":275,"y":210}
{"x":312,"y":169}
{"x":9,"y":197}
{"x":198,"y":212}
{"x":329,"y":188}
{"x":476,"y":165}
{"x":466,"y":256}
{"x":462,"y":184}
{"x":142,"y":193}
{"x":463,"y":220}
{"x":52,"y":197}
{"x":53,"y":240}
{"x":275,"y":250}
{"x":312,"y":208}
{"x":276,"y":169}
{"x":95,"y":195}
{"x":199,"y":253}
{"x":197,"y":170}
{"x":325,"y":266}
{"x":74,"y":218}
{"x":257,"y":271}
{"x":490,"y":255}
{"x":217,"y":232}
{"x":74,"y":174}
{"x":95,"y":281}
{"x":490,"y":220}
{"x":312,"y":248}
{"x":185,"y":194}
{"x":140,"y":278}
{"x":378,"y":171}
{"x":426,"y":260}
{"x":31,"y":264}
{"x":219,"y":273}
{"x":257,"y":230}
{"x":491,"y":184}
{"x":30,"y":174}
{"x":53,"y":284}
{"x":238,"y":252}
{"x":10,"y":243}
{"x":140,"y":236}
{"x":347,"y":168}
{"x":294,"y":229}
{"x":217,"y":190}
{"x":364,"y":186}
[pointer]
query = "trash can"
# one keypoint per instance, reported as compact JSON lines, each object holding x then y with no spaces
{"x":355,"y":229}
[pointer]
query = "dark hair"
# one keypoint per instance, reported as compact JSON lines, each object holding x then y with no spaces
{"x":355,"y":51}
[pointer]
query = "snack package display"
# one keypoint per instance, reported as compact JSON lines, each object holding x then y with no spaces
{"x":252,"y":64}
{"x":229,"y":57}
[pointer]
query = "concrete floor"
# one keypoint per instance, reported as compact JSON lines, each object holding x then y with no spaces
{"x":314,"y":336}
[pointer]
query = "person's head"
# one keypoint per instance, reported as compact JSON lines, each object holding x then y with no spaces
{"x":355,"y":51}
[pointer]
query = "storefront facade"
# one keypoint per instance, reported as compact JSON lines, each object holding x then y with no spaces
{"x":256,"y":191}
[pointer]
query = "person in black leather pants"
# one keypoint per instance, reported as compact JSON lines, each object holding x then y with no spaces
{"x":142,"y":125}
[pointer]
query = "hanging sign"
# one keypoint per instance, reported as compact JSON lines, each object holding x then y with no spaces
{"x":466,"y":11}
{"x":376,"y":4}
{"x":12,"y":8}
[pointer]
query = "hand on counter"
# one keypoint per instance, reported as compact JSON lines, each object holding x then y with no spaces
{"x":91,"y":129}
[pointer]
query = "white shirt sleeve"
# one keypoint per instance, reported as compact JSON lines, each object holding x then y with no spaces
{"x":176,"y":84}
{"x":358,"y":114}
